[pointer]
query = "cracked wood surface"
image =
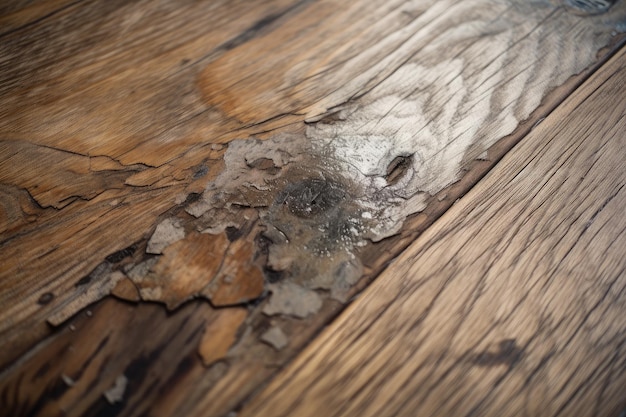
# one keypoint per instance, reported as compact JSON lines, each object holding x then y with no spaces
{"x":158,"y":152}
{"x":511,"y":304}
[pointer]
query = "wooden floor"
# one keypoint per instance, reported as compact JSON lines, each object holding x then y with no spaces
{"x":312,"y":208}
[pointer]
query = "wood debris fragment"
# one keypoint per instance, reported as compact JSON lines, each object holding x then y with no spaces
{"x":126,"y":290}
{"x":292,"y":300}
{"x":115,"y":394}
{"x":275,"y":337}
{"x":166,"y":233}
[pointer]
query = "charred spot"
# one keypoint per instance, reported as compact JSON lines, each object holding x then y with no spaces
{"x":273,"y":276}
{"x":200,"y":170}
{"x":398,"y":168}
{"x":192,"y":198}
{"x":232,"y":233}
{"x":97,"y":273}
{"x":45,"y":298}
{"x":118,"y":256}
{"x":83,"y":281}
{"x":312,"y":197}
{"x":263,"y":243}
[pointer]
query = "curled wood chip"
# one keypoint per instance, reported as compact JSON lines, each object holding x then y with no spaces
{"x":201,"y":265}
{"x":166,"y":233}
{"x":238,"y":279}
{"x":292,"y":300}
{"x":115,"y":394}
{"x":220,"y":334}
{"x":275,"y":337}
{"x":184,"y":269}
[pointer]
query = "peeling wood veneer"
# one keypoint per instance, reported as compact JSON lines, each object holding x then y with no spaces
{"x":275,"y":337}
{"x":511,"y":304}
{"x":126,"y":290}
{"x":166,"y":233}
{"x":292,"y":300}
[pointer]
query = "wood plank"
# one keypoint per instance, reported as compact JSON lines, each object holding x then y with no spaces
{"x":144,"y":123}
{"x":513,"y":303}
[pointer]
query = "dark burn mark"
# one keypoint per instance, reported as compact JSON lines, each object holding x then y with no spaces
{"x":508,"y":354}
{"x":97,"y":273}
{"x":83,"y":281}
{"x":45,"y":298}
{"x":311,"y":197}
{"x":273,"y":276}
{"x":263,"y":242}
{"x":200,"y":171}
{"x":232,"y":233}
{"x":192,"y":198}
{"x":398,"y":168}
{"x":118,"y":256}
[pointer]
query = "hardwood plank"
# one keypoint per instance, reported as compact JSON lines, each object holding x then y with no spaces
{"x":143,"y":123}
{"x":88,"y":190}
{"x":511,"y":304}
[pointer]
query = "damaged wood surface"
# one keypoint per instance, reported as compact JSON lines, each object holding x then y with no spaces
{"x":268,"y":159}
{"x":511,"y":304}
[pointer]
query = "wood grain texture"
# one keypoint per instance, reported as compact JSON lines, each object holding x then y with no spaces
{"x":70,"y":88}
{"x":281,"y":136}
{"x":119,"y":117}
{"x":513,"y":303}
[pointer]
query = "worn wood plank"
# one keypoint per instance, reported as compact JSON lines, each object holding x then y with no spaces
{"x":513,"y":303}
{"x":134,"y":128}
{"x":68,"y":114}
